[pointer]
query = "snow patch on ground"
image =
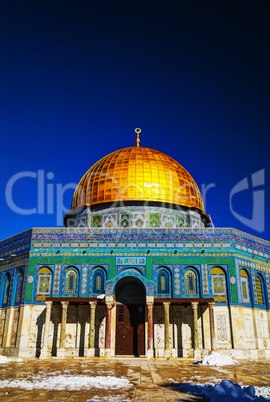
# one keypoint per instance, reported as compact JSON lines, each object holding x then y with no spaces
{"x":69,"y":383}
{"x":5,"y":359}
{"x":216,"y":359}
{"x":226,"y":391}
{"x":263,"y":391}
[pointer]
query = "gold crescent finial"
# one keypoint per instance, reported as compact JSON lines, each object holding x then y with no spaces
{"x":137,"y":131}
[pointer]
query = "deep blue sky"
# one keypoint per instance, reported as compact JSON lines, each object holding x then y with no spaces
{"x":77,"y":77}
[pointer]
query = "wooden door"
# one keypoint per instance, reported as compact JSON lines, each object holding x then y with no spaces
{"x":124,"y":333}
{"x":129,"y":330}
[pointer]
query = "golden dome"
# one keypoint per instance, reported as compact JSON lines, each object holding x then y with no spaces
{"x":137,"y":174}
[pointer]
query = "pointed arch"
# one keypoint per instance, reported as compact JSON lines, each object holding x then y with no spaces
{"x":245,"y":286}
{"x":163,"y":282}
{"x":7,"y":281}
{"x":218,"y":284}
{"x":260,"y":289}
{"x":191,"y":282}
{"x":44,"y":281}
{"x":71,"y":281}
{"x":98,"y":281}
{"x":19,"y":286}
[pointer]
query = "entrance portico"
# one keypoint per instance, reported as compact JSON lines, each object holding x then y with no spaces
{"x":148,"y":327}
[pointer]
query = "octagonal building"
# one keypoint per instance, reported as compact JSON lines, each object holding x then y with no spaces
{"x":137,"y":271}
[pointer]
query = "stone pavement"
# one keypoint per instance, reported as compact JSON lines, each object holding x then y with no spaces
{"x":151,"y":380}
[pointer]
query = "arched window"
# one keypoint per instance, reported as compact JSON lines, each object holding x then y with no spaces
{"x":259,"y":290}
{"x":244,"y":278}
{"x":44,"y":281}
{"x":99,"y":282}
{"x":191,"y":282}
{"x":19,"y":287}
{"x":6,"y":288}
{"x":71,"y":281}
{"x":163,"y":282}
{"x":218,"y":284}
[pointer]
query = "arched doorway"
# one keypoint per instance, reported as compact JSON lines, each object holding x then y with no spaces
{"x":130,"y":317}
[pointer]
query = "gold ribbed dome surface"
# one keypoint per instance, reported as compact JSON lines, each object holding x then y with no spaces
{"x":137,"y":174}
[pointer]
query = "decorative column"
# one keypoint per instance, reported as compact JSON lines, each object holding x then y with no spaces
{"x":167,"y":352}
{"x":91,"y":344}
{"x":150,"y":350}
{"x":109,"y":305}
{"x":212,"y":325}
{"x":45,"y":349}
{"x":194,"y":306}
{"x":63,"y":326}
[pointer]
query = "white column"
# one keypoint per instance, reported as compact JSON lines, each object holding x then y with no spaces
{"x":61,"y":350}
{"x":167,"y":351}
{"x":197,"y":353}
